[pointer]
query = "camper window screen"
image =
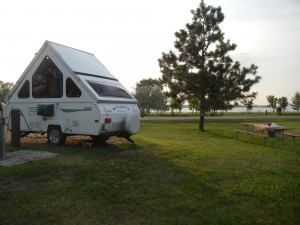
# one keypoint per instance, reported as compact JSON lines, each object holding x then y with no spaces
{"x":105,"y":90}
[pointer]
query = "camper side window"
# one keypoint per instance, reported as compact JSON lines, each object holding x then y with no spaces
{"x":24,"y":91}
{"x":72,"y":91}
{"x":106,"y":90}
{"x":47,"y":81}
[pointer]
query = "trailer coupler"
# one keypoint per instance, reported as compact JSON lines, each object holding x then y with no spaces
{"x":127,"y":138}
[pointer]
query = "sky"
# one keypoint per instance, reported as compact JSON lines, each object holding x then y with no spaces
{"x":128,"y":37}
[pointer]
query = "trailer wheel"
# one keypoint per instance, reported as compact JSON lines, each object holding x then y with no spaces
{"x":55,"y":136}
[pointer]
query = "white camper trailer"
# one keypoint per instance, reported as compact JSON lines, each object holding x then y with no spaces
{"x":65,"y":91}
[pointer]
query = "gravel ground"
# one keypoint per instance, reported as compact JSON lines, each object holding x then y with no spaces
{"x":23,"y":156}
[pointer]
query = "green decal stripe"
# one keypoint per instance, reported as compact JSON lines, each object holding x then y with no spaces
{"x":71,"y":110}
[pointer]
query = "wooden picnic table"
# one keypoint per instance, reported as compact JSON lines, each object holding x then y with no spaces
{"x":258,"y":129}
{"x":278,"y":130}
{"x":264,"y":127}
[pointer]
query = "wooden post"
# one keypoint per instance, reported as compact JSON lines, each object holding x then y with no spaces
{"x":15,"y":128}
{"x":2,"y":139}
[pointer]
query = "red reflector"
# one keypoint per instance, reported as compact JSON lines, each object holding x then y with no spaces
{"x":107,"y":120}
{"x":96,"y":121}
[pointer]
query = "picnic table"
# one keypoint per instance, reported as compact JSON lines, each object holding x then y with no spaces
{"x":272,"y":130}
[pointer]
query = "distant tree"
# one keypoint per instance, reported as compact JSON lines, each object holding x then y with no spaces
{"x":283,"y":103}
{"x":295,"y":101}
{"x":272,"y":101}
{"x":151,"y":83}
{"x":150,"y":97}
{"x":143,"y":96}
{"x":202,"y":69}
{"x":4,"y":89}
{"x":279,"y":110}
{"x":165,"y":107}
{"x":158,"y":100}
{"x":193,"y":105}
{"x":249,"y":105}
{"x":219,"y":104}
{"x":176,"y":103}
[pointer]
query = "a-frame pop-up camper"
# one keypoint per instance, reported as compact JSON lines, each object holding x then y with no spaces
{"x":65,"y":91}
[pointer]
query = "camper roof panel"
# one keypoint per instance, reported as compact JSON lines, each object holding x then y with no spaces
{"x":81,"y":62}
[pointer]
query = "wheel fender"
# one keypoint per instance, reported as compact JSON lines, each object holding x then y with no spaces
{"x":55,"y":123}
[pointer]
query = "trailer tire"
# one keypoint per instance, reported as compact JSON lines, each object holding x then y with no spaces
{"x":55,"y":136}
{"x":132,"y":123}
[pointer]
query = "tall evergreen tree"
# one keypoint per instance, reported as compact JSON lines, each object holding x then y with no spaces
{"x":201,"y":67}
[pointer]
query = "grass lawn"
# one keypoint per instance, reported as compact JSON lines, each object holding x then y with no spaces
{"x":174,"y":175}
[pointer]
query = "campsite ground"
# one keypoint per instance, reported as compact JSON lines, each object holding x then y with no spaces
{"x":173,"y":175}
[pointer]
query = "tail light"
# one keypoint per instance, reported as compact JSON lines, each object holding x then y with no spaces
{"x":107,"y":120}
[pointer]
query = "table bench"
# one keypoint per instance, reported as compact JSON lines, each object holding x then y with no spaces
{"x":252,"y":134}
{"x":292,"y":136}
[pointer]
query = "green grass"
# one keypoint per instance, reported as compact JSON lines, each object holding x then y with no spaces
{"x":174,"y":175}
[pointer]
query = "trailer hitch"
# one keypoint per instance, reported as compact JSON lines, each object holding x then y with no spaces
{"x":127,"y":137}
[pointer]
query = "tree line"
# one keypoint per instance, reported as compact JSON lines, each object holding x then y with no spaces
{"x":152,"y":98}
{"x":280,"y":104}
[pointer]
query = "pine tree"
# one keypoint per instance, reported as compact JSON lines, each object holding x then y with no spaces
{"x":201,"y":67}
